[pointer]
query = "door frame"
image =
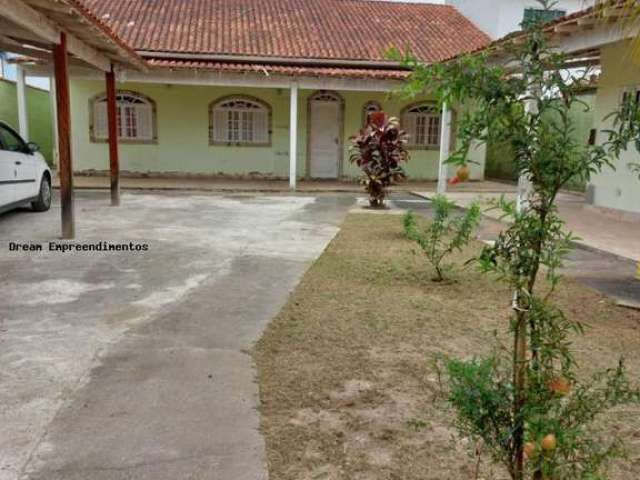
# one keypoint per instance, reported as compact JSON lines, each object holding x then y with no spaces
{"x":340,"y":147}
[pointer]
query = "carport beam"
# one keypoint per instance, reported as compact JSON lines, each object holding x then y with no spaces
{"x":61,"y":68}
{"x":293,"y":135}
{"x":21,"y":89}
{"x":114,"y":165}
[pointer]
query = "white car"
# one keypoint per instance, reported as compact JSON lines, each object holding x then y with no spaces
{"x":25,"y":177}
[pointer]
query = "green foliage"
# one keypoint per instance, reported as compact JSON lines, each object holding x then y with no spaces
{"x":526,"y":402}
{"x":482,"y":393}
{"x":625,"y":125}
{"x":379,"y":150}
{"x":445,"y":234}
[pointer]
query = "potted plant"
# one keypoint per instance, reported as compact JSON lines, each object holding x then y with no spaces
{"x":378,"y":150}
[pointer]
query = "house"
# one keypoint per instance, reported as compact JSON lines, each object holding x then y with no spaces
{"x":603,"y":36}
{"x":500,"y":161}
{"x":498,"y":18}
{"x":241,"y":87}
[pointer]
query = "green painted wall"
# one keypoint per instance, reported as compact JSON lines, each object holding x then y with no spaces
{"x":39,"y":112}
{"x":500,"y":158}
{"x":183,"y":133}
{"x":619,"y":188}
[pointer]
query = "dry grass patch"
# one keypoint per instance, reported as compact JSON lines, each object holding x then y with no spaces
{"x":348,"y":385}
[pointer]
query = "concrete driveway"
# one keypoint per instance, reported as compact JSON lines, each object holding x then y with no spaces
{"x":133,"y":365}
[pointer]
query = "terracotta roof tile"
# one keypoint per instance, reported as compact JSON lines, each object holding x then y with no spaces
{"x":295,"y":71}
{"x":317,"y":29}
{"x":104,"y":30}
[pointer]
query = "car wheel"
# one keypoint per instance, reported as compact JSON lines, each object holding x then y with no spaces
{"x":43,"y":202}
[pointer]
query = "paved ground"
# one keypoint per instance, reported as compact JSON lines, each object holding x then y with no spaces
{"x":120,"y":366}
{"x":608,"y":273}
{"x":230,"y":184}
{"x":612,"y":231}
{"x":133,"y":365}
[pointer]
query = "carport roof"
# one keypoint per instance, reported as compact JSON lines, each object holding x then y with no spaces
{"x":31,"y":27}
{"x":608,"y":14}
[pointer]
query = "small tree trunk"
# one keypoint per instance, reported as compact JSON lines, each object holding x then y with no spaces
{"x":439,"y":276}
{"x":520,"y":383}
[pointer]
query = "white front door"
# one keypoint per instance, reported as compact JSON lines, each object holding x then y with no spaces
{"x":324,"y":144}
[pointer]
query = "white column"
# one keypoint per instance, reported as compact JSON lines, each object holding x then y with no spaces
{"x":445,"y":141}
{"x":293,"y":135}
{"x":54,"y":118}
{"x":524,"y":182}
{"x":23,"y":118}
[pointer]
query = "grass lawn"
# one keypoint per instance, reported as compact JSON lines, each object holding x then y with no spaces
{"x":348,"y":386}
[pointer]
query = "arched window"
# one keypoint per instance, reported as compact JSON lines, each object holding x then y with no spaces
{"x":239,"y":120}
{"x":369,"y":108}
{"x":422,"y":123}
{"x":136,"y":116}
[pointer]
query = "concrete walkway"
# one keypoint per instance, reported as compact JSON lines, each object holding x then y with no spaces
{"x":613,"y":232}
{"x":119,"y":365}
{"x":608,"y":246}
{"x":214,"y":184}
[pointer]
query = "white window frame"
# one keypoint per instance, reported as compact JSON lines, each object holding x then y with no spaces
{"x":422,"y":122}
{"x":136,"y":117}
{"x":240,"y":120}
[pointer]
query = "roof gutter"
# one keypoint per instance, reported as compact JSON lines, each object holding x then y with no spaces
{"x":316,"y":62}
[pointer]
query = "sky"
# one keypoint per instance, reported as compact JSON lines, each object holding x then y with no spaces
{"x":9,"y":72}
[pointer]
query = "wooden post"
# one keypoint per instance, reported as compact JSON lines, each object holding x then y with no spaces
{"x":114,"y":165}
{"x":61,"y":68}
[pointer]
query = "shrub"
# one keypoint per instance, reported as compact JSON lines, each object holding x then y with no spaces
{"x":444,"y":234}
{"x":379,"y":149}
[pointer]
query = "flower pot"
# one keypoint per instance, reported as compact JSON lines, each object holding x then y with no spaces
{"x":376,"y":202}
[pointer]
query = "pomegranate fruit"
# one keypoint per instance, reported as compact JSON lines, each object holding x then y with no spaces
{"x":549,"y":444}
{"x":560,"y":386}
{"x":463,"y":173}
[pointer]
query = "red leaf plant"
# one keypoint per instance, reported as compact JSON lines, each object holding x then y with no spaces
{"x":378,"y":150}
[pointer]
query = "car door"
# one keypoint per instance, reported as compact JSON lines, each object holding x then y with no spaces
{"x":7,"y":176}
{"x":24,"y":171}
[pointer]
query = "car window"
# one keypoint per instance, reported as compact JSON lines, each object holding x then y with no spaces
{"x":10,"y":141}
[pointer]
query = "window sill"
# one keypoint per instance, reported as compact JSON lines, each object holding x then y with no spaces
{"x":231,"y":144}
{"x":423,"y":147}
{"x":127,"y":142}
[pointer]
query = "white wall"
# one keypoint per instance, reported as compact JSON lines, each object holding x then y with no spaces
{"x":497,"y":18}
{"x":619,"y":188}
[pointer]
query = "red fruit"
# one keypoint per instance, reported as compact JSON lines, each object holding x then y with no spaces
{"x":549,"y":444}
{"x":463,"y":173}
{"x":529,"y":449}
{"x":560,"y":386}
